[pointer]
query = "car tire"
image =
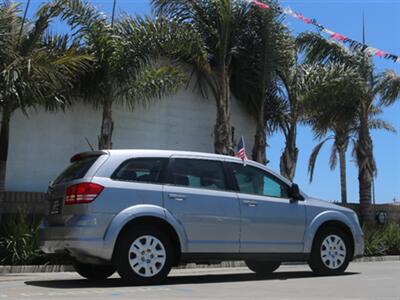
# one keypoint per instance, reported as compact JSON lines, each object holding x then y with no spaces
{"x":93,"y":272}
{"x":262,"y":267}
{"x":143,"y":255}
{"x":331,"y":252}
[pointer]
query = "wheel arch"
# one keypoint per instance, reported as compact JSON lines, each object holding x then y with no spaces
{"x":158,"y":223}
{"x":140,"y":215}
{"x":333,"y":219}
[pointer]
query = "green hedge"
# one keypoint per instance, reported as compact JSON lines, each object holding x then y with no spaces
{"x":19,"y":241}
{"x":382,"y":240}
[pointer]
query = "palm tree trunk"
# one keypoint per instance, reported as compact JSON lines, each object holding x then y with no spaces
{"x":343,"y":181}
{"x":260,"y":143}
{"x":107,"y":124}
{"x":289,"y":156}
{"x":222,"y":130}
{"x":366,"y":167}
{"x":4,"y":142}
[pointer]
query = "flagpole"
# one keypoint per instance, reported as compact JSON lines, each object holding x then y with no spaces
{"x":24,"y":18}
{"x":113,"y":13}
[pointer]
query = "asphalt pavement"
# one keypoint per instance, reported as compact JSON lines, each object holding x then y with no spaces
{"x":368,"y":280}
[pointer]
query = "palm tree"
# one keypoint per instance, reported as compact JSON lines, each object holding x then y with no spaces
{"x":294,"y":78}
{"x":125,"y":65}
{"x":332,"y":114}
{"x":36,"y":68}
{"x":219,"y":24}
{"x":320,"y":50}
{"x":265,"y":47}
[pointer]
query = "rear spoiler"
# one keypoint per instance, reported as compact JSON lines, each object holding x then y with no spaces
{"x":81,"y":155}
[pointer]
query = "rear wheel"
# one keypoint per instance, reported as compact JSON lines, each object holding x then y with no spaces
{"x":263,"y":267}
{"x":93,"y":272}
{"x":331,"y":252}
{"x":144,"y":255}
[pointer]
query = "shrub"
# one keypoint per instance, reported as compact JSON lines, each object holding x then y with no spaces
{"x":382,"y":240}
{"x":19,"y":241}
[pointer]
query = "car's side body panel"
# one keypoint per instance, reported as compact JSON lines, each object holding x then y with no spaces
{"x":271,"y":224}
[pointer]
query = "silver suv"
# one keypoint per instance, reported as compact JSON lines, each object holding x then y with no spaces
{"x":140,"y":212}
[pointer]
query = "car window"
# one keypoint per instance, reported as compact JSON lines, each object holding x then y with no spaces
{"x":199,"y":173}
{"x":141,"y":170}
{"x":77,"y":169}
{"x":252,"y":180}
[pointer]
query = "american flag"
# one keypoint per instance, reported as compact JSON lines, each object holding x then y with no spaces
{"x":241,"y":150}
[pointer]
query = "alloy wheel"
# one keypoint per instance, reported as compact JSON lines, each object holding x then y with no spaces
{"x":333,"y":251}
{"x":147,"y":256}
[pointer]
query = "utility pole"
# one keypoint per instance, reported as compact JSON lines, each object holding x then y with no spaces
{"x":367,"y":79}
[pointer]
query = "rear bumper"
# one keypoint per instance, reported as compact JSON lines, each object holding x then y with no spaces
{"x":72,"y":241}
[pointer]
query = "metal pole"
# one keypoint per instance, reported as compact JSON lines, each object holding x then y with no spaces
{"x":113,"y":13}
{"x":24,"y":18}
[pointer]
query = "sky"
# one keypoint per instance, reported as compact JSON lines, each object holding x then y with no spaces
{"x":382,"y":25}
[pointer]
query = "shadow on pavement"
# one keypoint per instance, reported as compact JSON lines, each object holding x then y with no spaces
{"x":174,"y":280}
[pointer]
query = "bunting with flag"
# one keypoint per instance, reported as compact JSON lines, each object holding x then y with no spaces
{"x":331,"y":34}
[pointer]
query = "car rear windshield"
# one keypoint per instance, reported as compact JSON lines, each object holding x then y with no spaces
{"x":77,"y":169}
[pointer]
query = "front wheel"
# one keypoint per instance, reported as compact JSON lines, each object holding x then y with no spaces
{"x":331,"y":252}
{"x":93,"y":272}
{"x":263,"y":267}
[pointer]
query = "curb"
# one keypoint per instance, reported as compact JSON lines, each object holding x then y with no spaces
{"x":36,"y":269}
{"x":378,"y":258}
{"x":225,"y":264}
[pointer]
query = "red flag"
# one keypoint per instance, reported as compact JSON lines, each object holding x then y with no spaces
{"x":338,"y":36}
{"x":303,"y":18}
{"x":260,"y":4}
{"x":380,"y":53}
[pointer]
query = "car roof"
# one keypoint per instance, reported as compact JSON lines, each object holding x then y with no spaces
{"x":167,"y":153}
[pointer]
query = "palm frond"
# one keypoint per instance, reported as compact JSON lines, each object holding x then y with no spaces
{"x":318,"y":49}
{"x":313,"y":157}
{"x":152,"y":83}
{"x":381,"y":124}
{"x":389,"y":87}
{"x":333,"y":157}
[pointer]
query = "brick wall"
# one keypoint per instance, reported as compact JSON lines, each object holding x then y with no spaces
{"x":27,"y":203}
{"x":392,"y":211}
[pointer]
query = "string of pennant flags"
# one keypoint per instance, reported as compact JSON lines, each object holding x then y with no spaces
{"x":334,"y":35}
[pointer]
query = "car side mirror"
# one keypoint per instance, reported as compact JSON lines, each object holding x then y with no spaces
{"x":295,"y":193}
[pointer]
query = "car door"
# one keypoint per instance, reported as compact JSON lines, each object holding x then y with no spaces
{"x":271,"y":222}
{"x":199,"y":198}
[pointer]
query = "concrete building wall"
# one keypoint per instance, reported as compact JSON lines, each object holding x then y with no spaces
{"x":42,"y":143}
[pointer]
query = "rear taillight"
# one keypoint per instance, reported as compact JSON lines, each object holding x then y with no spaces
{"x":84,"y":192}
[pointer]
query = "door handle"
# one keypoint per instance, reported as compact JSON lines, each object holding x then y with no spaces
{"x":177,"y":197}
{"x":250,"y":203}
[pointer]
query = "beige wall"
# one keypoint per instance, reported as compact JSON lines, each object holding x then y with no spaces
{"x":42,"y":143}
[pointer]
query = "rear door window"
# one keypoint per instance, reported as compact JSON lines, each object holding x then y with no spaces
{"x":141,"y":170}
{"x":77,"y":169}
{"x":199,"y":173}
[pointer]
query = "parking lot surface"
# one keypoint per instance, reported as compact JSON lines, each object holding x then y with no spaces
{"x":373,"y":280}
